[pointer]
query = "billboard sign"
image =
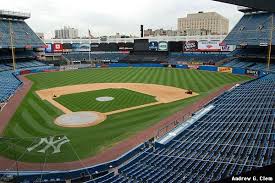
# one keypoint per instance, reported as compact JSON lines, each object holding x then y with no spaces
{"x":67,"y":47}
{"x":95,"y":47}
{"x":252,"y":72}
{"x":48,"y":48}
{"x":175,"y":46}
{"x":141,"y":44}
{"x":129,"y":46}
{"x":209,"y":46}
{"x":163,"y":46}
{"x":125,"y":46}
{"x":228,"y":48}
{"x":225,"y":69}
{"x":84,"y":47}
{"x":190,"y":46}
{"x":153,"y":46}
{"x":57,"y":48}
{"x":76,"y":46}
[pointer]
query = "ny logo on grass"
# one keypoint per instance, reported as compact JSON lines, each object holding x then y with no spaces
{"x":55,"y":144}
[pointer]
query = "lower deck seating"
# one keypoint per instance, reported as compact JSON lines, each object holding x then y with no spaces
{"x":28,"y":64}
{"x":195,"y":57}
{"x":249,"y":64}
{"x":8,"y":85}
{"x":84,"y":56}
{"x":237,"y":136}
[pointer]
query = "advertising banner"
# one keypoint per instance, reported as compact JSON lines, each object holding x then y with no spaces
{"x":252,"y":72}
{"x":190,"y":46}
{"x":153,"y":46}
{"x":125,"y":46}
{"x":76,"y":46}
{"x":84,"y":47}
{"x":67,"y":47}
{"x":228,"y":48}
{"x":175,"y":46}
{"x":95,"y":47}
{"x":129,"y":46}
{"x":225,"y":69}
{"x":141,"y":44}
{"x":48,"y":48}
{"x":163,"y":46}
{"x":209,"y":46}
{"x":57,"y":48}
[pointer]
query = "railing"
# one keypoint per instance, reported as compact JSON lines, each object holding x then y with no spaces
{"x":165,"y":129}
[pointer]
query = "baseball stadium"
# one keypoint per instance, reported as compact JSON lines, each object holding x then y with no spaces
{"x":138,"y":109}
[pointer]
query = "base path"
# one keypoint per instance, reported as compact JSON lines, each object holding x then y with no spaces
{"x":163,"y":94}
{"x":118,"y":149}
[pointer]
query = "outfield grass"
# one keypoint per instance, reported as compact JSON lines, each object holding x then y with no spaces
{"x":86,"y":101}
{"x":34,"y":118}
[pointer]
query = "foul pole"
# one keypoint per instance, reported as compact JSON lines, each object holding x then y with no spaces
{"x":270,"y":42}
{"x":12,"y":46}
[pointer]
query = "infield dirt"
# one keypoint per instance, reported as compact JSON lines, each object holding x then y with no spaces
{"x":163,"y":94}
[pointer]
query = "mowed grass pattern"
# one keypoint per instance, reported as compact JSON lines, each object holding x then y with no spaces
{"x":34,"y":118}
{"x":86,"y":101}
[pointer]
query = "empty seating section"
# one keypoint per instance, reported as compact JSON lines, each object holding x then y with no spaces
{"x":249,"y":64}
{"x":4,"y":67}
{"x":24,"y":60}
{"x":144,"y":59}
{"x":202,"y":58}
{"x":81,"y":56}
{"x":252,"y":29}
{"x":22,"y":65}
{"x":8,"y":85}
{"x":27,"y":65}
{"x":237,"y":136}
{"x":22,"y":34}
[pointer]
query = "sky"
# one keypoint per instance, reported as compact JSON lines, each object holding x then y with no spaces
{"x":107,"y":17}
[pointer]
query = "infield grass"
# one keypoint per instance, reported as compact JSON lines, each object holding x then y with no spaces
{"x":86,"y":101}
{"x":34,"y":118}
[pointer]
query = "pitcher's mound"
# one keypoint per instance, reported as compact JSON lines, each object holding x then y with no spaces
{"x":80,"y":119}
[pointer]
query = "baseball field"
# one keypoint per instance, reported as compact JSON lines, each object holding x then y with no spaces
{"x":32,"y":135}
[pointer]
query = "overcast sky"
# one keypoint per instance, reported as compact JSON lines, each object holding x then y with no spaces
{"x":106,"y":17}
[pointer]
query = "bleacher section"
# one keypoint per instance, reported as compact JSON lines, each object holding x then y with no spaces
{"x":23,"y":35}
{"x":249,"y":64}
{"x":8,"y":85}
{"x":102,"y":56}
{"x":252,"y":29}
{"x":237,"y":135}
{"x":27,"y":65}
{"x":146,"y":57}
{"x":196,"y":57}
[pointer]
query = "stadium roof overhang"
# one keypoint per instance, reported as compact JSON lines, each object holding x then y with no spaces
{"x":266,"y":5}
